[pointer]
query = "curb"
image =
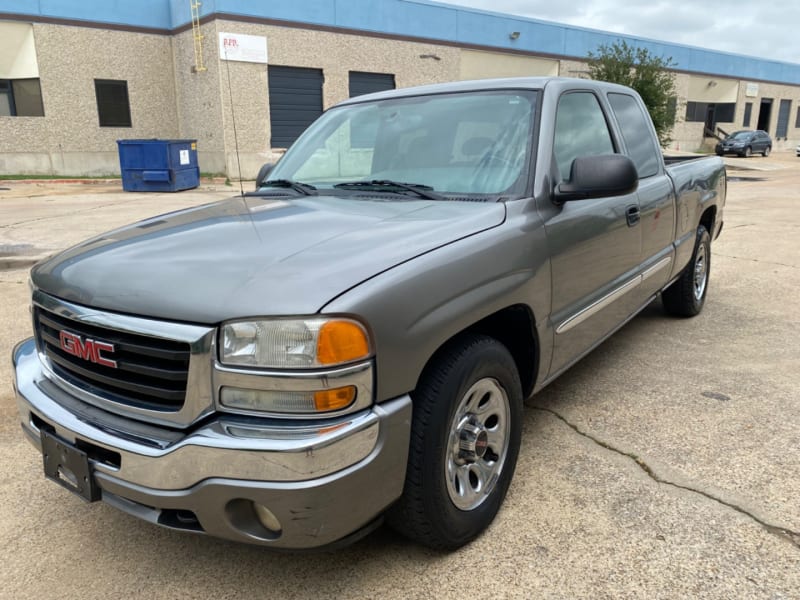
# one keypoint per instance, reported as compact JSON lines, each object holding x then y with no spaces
{"x":206,"y":180}
{"x":61,"y":181}
{"x":19,"y":262}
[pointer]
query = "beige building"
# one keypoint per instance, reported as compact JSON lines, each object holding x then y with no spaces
{"x":70,"y":86}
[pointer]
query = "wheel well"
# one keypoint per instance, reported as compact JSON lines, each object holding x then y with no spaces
{"x":708,"y":218}
{"x":514,"y":327}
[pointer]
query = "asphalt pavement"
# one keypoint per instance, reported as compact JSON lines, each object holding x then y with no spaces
{"x":666,"y":464}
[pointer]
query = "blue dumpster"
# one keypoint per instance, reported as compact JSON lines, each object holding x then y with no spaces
{"x":158,"y":165}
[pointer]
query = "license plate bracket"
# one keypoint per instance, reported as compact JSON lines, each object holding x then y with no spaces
{"x":68,"y":466}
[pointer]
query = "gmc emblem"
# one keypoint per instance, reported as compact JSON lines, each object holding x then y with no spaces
{"x":86,"y":349}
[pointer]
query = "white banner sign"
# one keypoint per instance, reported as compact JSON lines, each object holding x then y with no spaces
{"x":751,"y":91}
{"x":244,"y":48}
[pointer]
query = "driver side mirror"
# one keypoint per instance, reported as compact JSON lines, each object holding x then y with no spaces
{"x":263,"y":175}
{"x":599,"y":176}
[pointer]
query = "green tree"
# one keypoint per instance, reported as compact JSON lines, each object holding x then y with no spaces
{"x":647,"y":74}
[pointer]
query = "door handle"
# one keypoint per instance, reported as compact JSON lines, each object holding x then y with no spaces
{"x":632,"y":215}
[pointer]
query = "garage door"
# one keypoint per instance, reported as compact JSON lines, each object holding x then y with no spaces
{"x":367,"y":83}
{"x":295,"y":101}
{"x":783,"y":119}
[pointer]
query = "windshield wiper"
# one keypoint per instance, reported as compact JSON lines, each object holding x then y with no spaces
{"x":306,"y":189}
{"x":421,"y":190}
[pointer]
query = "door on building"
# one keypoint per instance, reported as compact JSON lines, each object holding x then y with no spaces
{"x":711,"y":120}
{"x":764,"y":114}
{"x":295,"y":101}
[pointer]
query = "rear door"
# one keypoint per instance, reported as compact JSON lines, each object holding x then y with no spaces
{"x":766,"y":142}
{"x":656,"y":194}
{"x":595,"y":245}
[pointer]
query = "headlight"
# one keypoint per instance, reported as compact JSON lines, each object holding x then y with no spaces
{"x":293,"y":343}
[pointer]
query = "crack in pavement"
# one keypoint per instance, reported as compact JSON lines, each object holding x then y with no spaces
{"x":756,"y":260}
{"x":793,"y":537}
{"x":740,"y":226}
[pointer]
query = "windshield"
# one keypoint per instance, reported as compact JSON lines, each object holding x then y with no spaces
{"x":740,"y":135}
{"x":468,"y":143}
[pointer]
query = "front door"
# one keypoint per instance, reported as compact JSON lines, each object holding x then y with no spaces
{"x":595,"y":246}
{"x":711,"y":120}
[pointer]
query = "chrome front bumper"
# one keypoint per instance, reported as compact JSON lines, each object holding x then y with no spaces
{"x":323,"y":481}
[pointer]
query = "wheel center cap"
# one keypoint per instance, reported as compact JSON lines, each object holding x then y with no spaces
{"x":473,"y":442}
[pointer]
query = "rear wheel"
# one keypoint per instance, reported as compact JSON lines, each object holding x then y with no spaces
{"x":766,"y":151}
{"x":687,"y":295}
{"x":465,"y":438}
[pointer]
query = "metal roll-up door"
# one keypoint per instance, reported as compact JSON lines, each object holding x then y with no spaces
{"x":783,"y":119}
{"x":366,"y":83}
{"x":295,"y":101}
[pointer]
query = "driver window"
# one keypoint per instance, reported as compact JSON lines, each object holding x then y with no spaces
{"x":581,"y":130}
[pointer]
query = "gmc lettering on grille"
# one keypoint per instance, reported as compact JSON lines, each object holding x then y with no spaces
{"x":86,"y":349}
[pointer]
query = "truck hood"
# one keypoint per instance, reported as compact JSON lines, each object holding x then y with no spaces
{"x":255,"y":256}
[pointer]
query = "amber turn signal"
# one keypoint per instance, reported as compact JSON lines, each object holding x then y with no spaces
{"x":335,"y":399}
{"x":341,"y":342}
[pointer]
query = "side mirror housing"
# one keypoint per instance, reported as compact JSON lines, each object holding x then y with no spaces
{"x":599,"y":176}
{"x":263,"y":174}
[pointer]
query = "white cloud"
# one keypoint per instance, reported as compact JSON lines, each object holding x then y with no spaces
{"x":762,"y":29}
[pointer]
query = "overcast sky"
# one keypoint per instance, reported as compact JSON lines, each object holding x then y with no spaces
{"x":756,"y":28}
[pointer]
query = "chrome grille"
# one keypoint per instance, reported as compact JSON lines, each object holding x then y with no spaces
{"x":151,"y":373}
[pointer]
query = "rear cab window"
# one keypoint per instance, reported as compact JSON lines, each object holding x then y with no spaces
{"x":636,"y":133}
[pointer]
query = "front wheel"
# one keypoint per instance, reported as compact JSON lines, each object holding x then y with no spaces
{"x":748,"y":152}
{"x":687,"y":295}
{"x":465,"y":438}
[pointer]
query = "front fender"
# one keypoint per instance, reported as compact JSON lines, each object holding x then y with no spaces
{"x":414,"y":308}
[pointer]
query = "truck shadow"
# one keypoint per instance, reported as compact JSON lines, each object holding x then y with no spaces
{"x":613,"y":354}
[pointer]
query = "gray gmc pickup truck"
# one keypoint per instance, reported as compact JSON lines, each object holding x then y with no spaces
{"x":353,"y":341}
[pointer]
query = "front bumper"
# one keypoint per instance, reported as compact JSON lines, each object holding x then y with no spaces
{"x":729,"y":149}
{"x":323,"y":481}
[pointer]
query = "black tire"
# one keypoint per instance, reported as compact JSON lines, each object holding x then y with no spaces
{"x":684,"y":298}
{"x":748,"y":152}
{"x":427,"y":512}
{"x":766,"y":151}
{"x":720,"y":153}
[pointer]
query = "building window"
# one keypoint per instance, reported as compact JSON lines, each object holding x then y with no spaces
{"x":113,"y":106}
{"x":748,"y":113}
{"x":710,"y":113}
{"x":797,"y":119}
{"x":295,"y":101}
{"x":21,"y":98}
{"x":696,"y":111}
{"x":725,"y":113}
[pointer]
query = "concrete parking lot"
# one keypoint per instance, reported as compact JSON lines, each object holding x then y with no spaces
{"x":664,"y":465}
